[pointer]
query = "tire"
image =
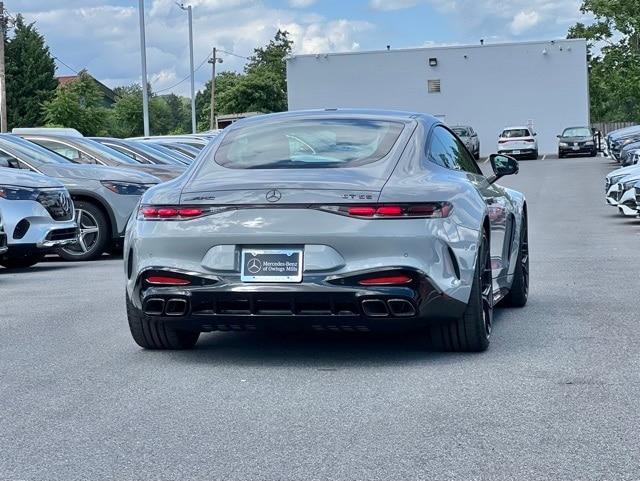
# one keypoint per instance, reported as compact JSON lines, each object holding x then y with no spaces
{"x":594,"y":153}
{"x":534,"y":156}
{"x":94,"y":234}
{"x":20,"y":262}
{"x":560,"y":155}
{"x":151,"y":334}
{"x":471,"y":333}
{"x":519,"y":292}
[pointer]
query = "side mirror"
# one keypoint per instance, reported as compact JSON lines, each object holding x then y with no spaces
{"x":559,"y":136}
{"x":503,"y":165}
{"x":535,"y":133}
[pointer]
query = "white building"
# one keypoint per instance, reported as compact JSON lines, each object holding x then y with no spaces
{"x":542,"y":84}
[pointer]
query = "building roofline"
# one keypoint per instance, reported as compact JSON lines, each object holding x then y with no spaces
{"x":443,"y":47}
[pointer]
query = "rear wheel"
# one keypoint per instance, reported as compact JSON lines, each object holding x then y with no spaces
{"x":93,"y":234}
{"x":152,"y":334}
{"x":534,"y":156}
{"x":472,"y":331}
{"x":519,"y":292}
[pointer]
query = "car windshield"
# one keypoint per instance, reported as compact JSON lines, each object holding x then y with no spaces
{"x":312,"y":143}
{"x":29,"y":151}
{"x":164,"y":155}
{"x":104,"y":151}
{"x":577,"y":132}
{"x":511,"y":133}
{"x":461,"y":131}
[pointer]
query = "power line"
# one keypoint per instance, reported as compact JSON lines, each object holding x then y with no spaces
{"x":233,"y":54}
{"x":66,"y":65}
{"x":184,"y":79}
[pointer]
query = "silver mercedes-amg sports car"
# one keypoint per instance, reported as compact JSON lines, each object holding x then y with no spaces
{"x":331,"y":220}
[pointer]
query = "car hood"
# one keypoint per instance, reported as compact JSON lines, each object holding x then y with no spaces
{"x":97,"y":172}
{"x":631,"y":169}
{"x":162,"y":172}
{"x":630,"y":178}
{"x":23,"y":178}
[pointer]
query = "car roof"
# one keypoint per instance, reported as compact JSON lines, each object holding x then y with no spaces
{"x":331,"y":112}
{"x":517,"y":127}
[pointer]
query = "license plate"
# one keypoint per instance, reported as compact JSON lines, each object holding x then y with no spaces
{"x":271,"y":265}
{"x":515,"y":152}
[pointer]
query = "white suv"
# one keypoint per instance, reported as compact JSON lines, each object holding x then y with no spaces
{"x":518,"y":142}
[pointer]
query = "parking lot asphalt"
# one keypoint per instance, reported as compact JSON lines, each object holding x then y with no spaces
{"x":555,"y":396}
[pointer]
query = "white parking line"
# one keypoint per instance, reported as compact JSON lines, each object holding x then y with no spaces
{"x":544,"y":156}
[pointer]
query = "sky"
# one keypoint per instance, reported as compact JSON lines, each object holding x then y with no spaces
{"x":103,"y":36}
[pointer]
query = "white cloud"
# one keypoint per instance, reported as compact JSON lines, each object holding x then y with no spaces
{"x":387,"y":5}
{"x":524,"y":21}
{"x":301,"y":3}
{"x":105,"y":38}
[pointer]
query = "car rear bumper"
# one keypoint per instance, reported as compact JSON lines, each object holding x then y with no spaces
{"x":582,"y":150}
{"x":226,"y":303}
{"x":520,"y":152}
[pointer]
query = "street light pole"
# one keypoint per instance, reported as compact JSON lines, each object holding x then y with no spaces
{"x":193,"y":85}
{"x":143,"y":58}
{"x":3,"y":90}
{"x":213,"y":60}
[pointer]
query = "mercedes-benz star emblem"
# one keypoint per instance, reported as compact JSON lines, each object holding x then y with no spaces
{"x":274,"y":195}
{"x":254,"y":265}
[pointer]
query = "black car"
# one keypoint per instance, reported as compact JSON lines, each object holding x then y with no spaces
{"x":577,"y":140}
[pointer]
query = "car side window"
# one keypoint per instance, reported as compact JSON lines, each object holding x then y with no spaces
{"x":71,"y":153}
{"x":7,"y":160}
{"x":451,"y":152}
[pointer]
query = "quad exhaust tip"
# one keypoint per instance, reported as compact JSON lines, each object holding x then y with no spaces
{"x":401,"y":308}
{"x":393,"y":307}
{"x":176,"y":307}
{"x":172,"y":307}
{"x":154,"y":307}
{"x":374,"y":308}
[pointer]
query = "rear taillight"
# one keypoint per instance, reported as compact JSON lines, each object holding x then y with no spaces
{"x":392,"y":211}
{"x":502,"y":141}
{"x":167,"y":280}
{"x":529,"y":140}
{"x":167,"y":212}
{"x":390,"y":280}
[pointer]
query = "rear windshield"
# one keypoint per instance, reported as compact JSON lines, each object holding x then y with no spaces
{"x":312,"y":143}
{"x":510,"y":133}
{"x":577,"y":132}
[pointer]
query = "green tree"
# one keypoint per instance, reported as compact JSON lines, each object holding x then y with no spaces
{"x":225,"y":81}
{"x":614,"y":68}
{"x":126,"y":115}
{"x":77,"y":105}
{"x":30,"y":76}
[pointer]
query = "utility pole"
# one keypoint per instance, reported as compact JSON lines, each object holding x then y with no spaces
{"x":143,"y":59}
{"x":213,"y":60}
{"x":3,"y":89}
{"x":193,"y":84}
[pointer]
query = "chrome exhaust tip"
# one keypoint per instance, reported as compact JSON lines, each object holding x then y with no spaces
{"x":374,"y":308}
{"x":153,"y":307}
{"x":401,"y":308}
{"x":176,"y":307}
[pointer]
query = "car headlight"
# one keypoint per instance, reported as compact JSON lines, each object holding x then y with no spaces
{"x":628,"y":185}
{"x":564,"y":144}
{"x":12,"y":192}
{"x":126,"y":188}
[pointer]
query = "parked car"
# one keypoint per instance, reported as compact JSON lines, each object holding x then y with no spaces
{"x":37,"y":215}
{"x":189,"y":151}
{"x":625,"y":193}
{"x":104,"y":197}
{"x":518,"y":142}
{"x":199,"y":142}
{"x":627,"y":153}
{"x":469,"y":138}
{"x":577,"y":141}
{"x":327,"y":219}
{"x":82,"y":150}
{"x":3,"y":237}
{"x":140,"y":152}
{"x":617,"y":140}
